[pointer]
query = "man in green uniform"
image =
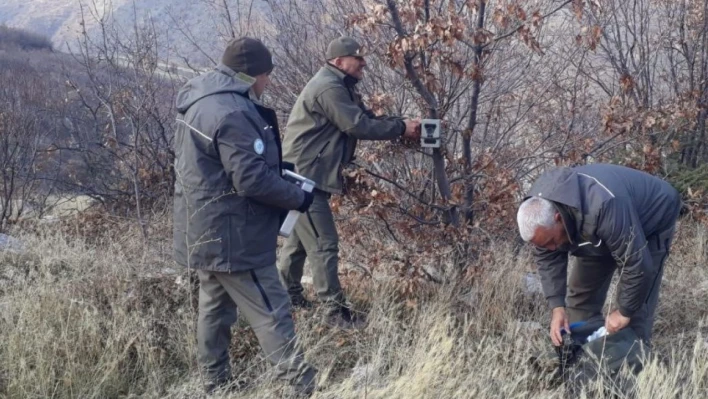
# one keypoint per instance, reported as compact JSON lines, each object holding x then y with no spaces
{"x":322,"y":132}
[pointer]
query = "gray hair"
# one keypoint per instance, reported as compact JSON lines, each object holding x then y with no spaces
{"x":533,"y":213}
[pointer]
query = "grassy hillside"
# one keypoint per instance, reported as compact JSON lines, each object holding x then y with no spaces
{"x":94,"y":307}
{"x":95,"y":316}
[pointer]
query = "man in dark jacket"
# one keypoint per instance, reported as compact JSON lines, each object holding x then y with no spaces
{"x":609,"y":217}
{"x":229,"y":195}
{"x":323,"y":129}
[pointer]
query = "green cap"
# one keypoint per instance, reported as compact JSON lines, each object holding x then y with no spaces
{"x":344,"y":46}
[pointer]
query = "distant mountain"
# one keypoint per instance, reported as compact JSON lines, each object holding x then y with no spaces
{"x":60,"y":20}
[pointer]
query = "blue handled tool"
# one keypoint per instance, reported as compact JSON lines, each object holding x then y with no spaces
{"x":573,"y":326}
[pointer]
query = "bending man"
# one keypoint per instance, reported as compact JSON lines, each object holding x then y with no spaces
{"x":610,"y":218}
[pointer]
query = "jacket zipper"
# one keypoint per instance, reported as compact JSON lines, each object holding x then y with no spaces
{"x":319,"y":154}
{"x":309,"y":217}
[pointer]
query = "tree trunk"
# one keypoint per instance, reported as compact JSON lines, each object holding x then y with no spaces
{"x":472,"y":123}
{"x":431,"y":101}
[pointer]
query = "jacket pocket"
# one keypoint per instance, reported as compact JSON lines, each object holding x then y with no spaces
{"x":205,"y":243}
{"x":256,"y":210}
{"x":252,"y":241}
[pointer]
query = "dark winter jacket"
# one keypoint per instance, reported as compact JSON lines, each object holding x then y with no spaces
{"x":228,"y":192}
{"x":610,"y":211}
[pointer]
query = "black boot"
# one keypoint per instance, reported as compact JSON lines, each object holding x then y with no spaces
{"x":342,"y":317}
{"x":299,"y":301}
{"x":225,"y":386}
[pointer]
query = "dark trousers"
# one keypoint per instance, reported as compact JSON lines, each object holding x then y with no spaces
{"x":265,"y":305}
{"x":590,"y":280}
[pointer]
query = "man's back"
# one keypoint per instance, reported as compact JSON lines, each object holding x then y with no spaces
{"x":590,"y":188}
{"x":202,"y":105}
{"x":653,"y":198}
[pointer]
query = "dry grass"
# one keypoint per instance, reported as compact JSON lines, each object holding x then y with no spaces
{"x":113,"y":318}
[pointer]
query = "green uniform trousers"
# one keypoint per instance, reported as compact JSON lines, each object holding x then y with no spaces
{"x":264,"y":303}
{"x":315,"y":238}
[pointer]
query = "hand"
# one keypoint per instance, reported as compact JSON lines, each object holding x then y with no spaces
{"x":559,"y":320}
{"x":615,"y":322}
{"x":412,"y":129}
{"x":287,"y":166}
{"x":309,"y":197}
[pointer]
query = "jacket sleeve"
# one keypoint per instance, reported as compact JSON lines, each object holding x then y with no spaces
{"x":553,"y":268}
{"x":621,"y":230}
{"x":351,"y":119}
{"x":372,"y":115}
{"x":249,"y":172}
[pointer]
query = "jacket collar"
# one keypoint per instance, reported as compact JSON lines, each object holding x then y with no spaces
{"x":349,"y":81}
{"x":569,"y":222}
{"x":562,"y":186}
{"x":244,"y":81}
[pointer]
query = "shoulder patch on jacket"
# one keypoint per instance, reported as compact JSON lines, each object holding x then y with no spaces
{"x":258,"y":146}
